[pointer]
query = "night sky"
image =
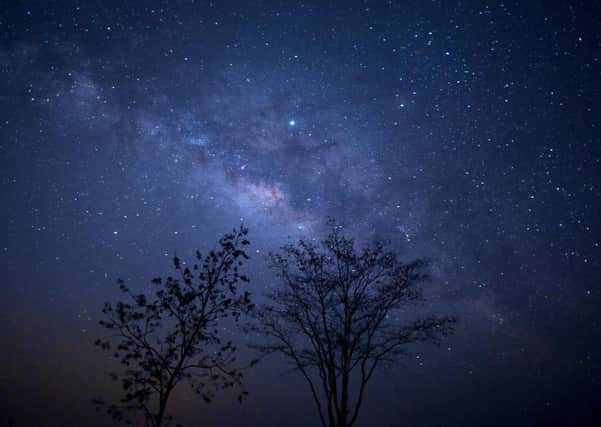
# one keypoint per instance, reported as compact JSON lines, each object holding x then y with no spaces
{"x":465,"y":132}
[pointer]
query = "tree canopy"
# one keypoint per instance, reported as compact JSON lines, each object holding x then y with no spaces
{"x":172,"y":334}
{"x":335,"y":316}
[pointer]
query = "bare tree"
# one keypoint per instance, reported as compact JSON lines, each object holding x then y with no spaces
{"x":335,"y":318}
{"x":171,"y":334}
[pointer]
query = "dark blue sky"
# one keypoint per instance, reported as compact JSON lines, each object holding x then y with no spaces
{"x":466,"y":132}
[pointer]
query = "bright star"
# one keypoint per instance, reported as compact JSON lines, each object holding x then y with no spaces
{"x":292,"y":122}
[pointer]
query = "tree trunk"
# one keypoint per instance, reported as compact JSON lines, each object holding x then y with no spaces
{"x":342,"y":417}
{"x":161,"y":413}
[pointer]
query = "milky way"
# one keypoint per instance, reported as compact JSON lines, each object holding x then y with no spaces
{"x":463,"y":132}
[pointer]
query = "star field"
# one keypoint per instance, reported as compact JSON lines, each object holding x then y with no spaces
{"x":464,"y":132}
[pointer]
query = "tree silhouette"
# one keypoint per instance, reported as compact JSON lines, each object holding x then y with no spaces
{"x":171,"y":334}
{"x":335,"y":318}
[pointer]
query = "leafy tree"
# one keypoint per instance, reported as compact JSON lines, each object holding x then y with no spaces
{"x":335,"y":317}
{"x":171,"y":335}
